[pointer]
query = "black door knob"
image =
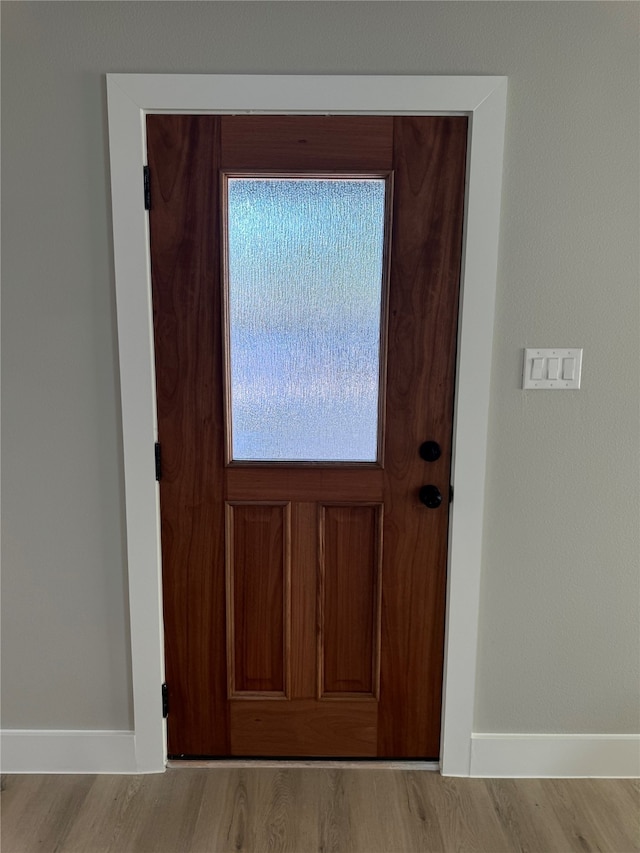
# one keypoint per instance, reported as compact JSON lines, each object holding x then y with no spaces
{"x":430,"y":451}
{"x":430,"y":496}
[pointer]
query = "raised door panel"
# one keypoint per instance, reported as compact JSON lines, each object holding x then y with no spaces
{"x":258,"y":544}
{"x":349,"y":601}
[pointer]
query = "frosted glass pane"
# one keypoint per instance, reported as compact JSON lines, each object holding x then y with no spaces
{"x":304,"y":260}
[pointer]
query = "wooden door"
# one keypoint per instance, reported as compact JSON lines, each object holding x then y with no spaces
{"x":304,"y":604}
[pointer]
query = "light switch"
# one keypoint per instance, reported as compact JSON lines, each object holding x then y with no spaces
{"x":568,"y":368}
{"x":557,"y":368}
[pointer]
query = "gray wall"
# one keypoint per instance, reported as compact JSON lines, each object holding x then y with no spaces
{"x":559,"y":628}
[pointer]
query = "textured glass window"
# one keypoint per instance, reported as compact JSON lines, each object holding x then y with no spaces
{"x":304,"y":279}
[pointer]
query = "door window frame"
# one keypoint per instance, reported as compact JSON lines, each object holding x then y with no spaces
{"x":130,"y":97}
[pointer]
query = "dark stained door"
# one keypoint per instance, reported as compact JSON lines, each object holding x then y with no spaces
{"x":304,"y":604}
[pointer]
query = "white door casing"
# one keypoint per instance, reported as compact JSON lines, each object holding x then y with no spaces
{"x":130,"y":98}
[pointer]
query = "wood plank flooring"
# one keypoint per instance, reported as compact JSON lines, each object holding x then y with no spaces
{"x":304,"y":809}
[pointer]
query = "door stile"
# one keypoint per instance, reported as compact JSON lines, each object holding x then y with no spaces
{"x":184,"y":158}
{"x":429,"y":164}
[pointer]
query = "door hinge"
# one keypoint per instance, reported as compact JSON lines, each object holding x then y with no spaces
{"x":165,"y":701}
{"x":158,"y":456}
{"x":146,"y":180}
{"x":450,"y":494}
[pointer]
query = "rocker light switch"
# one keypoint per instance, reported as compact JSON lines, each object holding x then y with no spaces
{"x":568,"y":368}
{"x":557,"y":368}
{"x":537,"y":368}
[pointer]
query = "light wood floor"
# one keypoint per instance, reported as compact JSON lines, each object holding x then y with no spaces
{"x":315,"y":809}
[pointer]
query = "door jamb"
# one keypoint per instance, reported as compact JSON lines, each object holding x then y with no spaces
{"x":130,"y":97}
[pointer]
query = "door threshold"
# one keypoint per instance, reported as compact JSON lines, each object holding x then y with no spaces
{"x":320,"y":763}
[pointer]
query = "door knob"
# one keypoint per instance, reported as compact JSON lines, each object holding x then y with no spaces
{"x":430,"y":451}
{"x":430,"y":496}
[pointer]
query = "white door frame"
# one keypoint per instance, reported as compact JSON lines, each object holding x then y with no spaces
{"x":130,"y":98}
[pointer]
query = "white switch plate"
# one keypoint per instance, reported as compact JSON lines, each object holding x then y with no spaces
{"x":539,"y":364}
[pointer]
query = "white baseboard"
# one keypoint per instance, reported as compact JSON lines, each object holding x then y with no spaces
{"x":555,"y":755}
{"x":32,"y":751}
{"x":492,"y":755}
